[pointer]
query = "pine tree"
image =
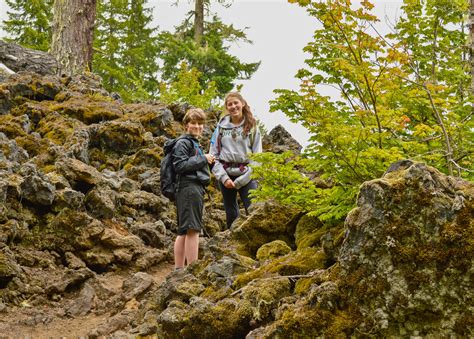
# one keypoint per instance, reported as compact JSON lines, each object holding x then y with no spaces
{"x":126,"y":48}
{"x":208,"y":53}
{"x":141,"y":46}
{"x":29,"y":23}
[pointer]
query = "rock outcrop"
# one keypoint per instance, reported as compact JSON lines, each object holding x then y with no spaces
{"x":83,"y":231}
{"x":404,"y":268}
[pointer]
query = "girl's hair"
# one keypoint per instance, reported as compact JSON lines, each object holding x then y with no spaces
{"x":250,"y":121}
{"x":194,"y":114}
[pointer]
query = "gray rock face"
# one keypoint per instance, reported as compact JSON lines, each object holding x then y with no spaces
{"x":279,"y":141}
{"x":411,"y":236}
{"x":83,"y":304}
{"x":136,"y":285}
{"x":35,"y":187}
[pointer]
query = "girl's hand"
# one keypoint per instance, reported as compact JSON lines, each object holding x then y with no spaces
{"x":229,"y":184}
{"x":210,"y":158}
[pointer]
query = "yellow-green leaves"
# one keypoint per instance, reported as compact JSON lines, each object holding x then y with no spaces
{"x":405,"y":95}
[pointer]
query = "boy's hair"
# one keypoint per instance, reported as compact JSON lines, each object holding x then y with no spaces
{"x":194,"y":114}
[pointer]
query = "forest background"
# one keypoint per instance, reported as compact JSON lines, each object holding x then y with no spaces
{"x":278,"y":39}
{"x":366,"y":96}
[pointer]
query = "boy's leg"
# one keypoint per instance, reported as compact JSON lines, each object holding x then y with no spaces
{"x":231,"y":206}
{"x":179,"y":251}
{"x":191,"y":246}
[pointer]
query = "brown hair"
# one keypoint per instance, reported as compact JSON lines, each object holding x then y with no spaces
{"x":194,"y":114}
{"x":250,"y":121}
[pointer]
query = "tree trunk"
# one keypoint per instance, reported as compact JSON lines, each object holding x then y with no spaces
{"x":73,"y":27}
{"x":471,"y":34}
{"x":198,"y":21}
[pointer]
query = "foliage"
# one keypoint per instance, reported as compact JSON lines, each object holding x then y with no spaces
{"x":126,"y":49}
{"x":405,"y":95}
{"x":210,"y":56}
{"x":187,"y":89}
{"x":28,"y":23}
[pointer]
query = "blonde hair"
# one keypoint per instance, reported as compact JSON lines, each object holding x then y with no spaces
{"x":194,"y":114}
{"x":250,"y":121}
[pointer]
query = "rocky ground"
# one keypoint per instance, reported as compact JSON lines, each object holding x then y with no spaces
{"x":86,"y":238}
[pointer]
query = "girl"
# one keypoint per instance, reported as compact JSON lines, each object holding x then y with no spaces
{"x":191,"y":165}
{"x":235,"y":137}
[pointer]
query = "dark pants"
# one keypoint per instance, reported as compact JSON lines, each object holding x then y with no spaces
{"x":231,"y":205}
{"x":189,"y":203}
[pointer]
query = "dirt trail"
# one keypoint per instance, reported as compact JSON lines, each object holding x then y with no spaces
{"x":47,"y":322}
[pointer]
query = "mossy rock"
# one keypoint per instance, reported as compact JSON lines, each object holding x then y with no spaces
{"x":155,"y":118}
{"x":33,"y":145}
{"x":147,"y":157}
{"x":13,"y":126}
{"x":309,"y":231}
{"x":87,"y":110}
{"x":66,"y":231}
{"x":273,"y":250}
{"x":57,"y":128}
{"x":120,"y":138}
{"x":227,"y":318}
{"x":33,"y":86}
{"x":265,"y":294}
{"x":8,"y":267}
{"x":295,"y":263}
{"x":266,"y":223}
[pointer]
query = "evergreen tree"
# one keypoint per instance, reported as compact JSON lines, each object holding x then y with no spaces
{"x":126,"y":48}
{"x":29,"y":23}
{"x":208,"y":53}
{"x":141,"y":45}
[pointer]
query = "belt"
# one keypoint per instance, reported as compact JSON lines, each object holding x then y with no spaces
{"x":226,"y":165}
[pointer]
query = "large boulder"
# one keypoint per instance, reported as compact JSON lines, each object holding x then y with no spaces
{"x":408,"y":253}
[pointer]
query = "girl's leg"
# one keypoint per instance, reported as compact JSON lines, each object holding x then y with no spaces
{"x":179,"y":251}
{"x":231,"y":206}
{"x":191,"y":246}
{"x":244,"y":194}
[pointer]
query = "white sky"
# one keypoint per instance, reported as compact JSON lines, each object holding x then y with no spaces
{"x":279,"y":32}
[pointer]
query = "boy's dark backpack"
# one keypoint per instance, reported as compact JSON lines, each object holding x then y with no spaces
{"x":168,"y":176}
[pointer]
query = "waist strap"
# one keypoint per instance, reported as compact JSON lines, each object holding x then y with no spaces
{"x":226,"y":165}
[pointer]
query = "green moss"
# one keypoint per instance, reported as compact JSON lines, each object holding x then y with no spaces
{"x":11,"y":126}
{"x":227,"y":319}
{"x":273,"y":250}
{"x":295,"y":263}
{"x":302,"y":286}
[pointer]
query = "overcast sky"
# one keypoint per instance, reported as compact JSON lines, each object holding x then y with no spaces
{"x":279,"y":32}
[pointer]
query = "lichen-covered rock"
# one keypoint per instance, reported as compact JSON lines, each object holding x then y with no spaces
{"x":35,"y":186}
{"x":273,"y":250}
{"x":81,"y":176}
{"x":408,"y":253}
{"x":265,"y":294}
{"x":101,"y":202}
{"x":266,"y":223}
{"x":120,"y":137}
{"x":309,"y":231}
{"x":8,"y":267}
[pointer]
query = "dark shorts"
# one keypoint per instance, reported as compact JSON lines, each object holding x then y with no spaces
{"x":190,"y":204}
